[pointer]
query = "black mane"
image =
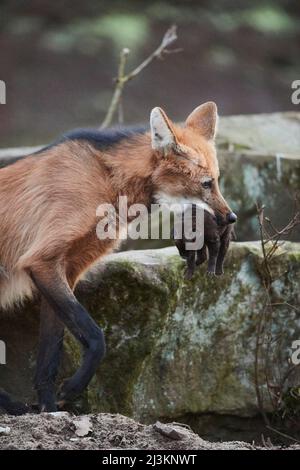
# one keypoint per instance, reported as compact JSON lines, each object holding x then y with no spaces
{"x":100,"y":139}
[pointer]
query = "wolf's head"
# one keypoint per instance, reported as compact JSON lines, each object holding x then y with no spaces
{"x":187,"y":170}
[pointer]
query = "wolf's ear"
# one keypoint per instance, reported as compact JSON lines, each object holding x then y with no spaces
{"x":162,"y":133}
{"x":205,"y":119}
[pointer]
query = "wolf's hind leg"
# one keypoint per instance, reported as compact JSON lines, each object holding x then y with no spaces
{"x":12,"y":407}
{"x":7,"y":404}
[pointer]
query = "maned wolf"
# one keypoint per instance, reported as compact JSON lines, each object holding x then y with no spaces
{"x":48,"y":219}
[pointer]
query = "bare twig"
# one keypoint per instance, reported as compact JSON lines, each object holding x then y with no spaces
{"x":169,"y":37}
{"x":120,"y":82}
{"x":267,"y":443}
{"x":271,"y":240}
{"x":120,"y":112}
{"x":260,"y":211}
{"x":286,"y":436}
{"x":287,"y":304}
{"x":258,"y":345}
{"x":122,"y":78}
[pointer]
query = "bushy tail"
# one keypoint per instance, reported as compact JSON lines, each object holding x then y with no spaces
{"x":15,"y":408}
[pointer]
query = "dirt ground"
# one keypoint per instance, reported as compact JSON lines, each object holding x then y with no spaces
{"x":102,"y":431}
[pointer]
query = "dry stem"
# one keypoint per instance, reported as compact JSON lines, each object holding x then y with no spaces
{"x":122,"y":78}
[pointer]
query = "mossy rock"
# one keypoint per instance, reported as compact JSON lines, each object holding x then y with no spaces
{"x":174,"y":347}
{"x":260,"y":162}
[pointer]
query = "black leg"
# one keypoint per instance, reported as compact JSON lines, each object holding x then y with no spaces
{"x":49,"y":355}
{"x":201,"y":256}
{"x":191,"y":261}
{"x":12,"y":407}
{"x":60,"y":297}
{"x":180,"y":244}
{"x":213,"y":250}
{"x":225,"y":240}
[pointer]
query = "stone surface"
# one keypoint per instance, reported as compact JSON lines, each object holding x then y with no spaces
{"x":174,"y":347}
{"x":260,"y":162}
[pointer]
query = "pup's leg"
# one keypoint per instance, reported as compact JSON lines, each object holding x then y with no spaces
{"x":201,"y":256}
{"x":225,"y":240}
{"x":180,"y":245}
{"x":213,"y":250}
{"x":191,"y":258}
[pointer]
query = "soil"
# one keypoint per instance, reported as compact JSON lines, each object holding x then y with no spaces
{"x":103,"y":431}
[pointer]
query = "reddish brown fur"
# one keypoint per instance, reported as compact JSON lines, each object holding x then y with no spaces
{"x":48,"y":202}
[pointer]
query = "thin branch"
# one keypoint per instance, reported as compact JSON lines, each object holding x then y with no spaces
{"x":259,"y":396}
{"x":169,"y":37}
{"x":120,"y":112}
{"x":287,"y":304}
{"x":118,"y":89}
{"x":260,"y":211}
{"x":271,"y":240}
{"x":286,"y":436}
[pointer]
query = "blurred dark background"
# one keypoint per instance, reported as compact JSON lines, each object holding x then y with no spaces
{"x":58,"y":60}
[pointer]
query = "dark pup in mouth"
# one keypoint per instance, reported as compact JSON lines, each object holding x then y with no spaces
{"x":216,"y":242}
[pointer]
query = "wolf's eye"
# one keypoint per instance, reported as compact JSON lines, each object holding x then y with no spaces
{"x":207,"y":184}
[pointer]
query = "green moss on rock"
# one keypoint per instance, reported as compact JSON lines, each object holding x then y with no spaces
{"x":176,"y":347}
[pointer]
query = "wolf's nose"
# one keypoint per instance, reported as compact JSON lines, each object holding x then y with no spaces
{"x":231,"y":218}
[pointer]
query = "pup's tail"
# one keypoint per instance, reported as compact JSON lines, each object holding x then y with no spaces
{"x":12,"y":407}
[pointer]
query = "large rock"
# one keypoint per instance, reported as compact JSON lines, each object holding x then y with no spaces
{"x":175,"y":348}
{"x":260,"y":161}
